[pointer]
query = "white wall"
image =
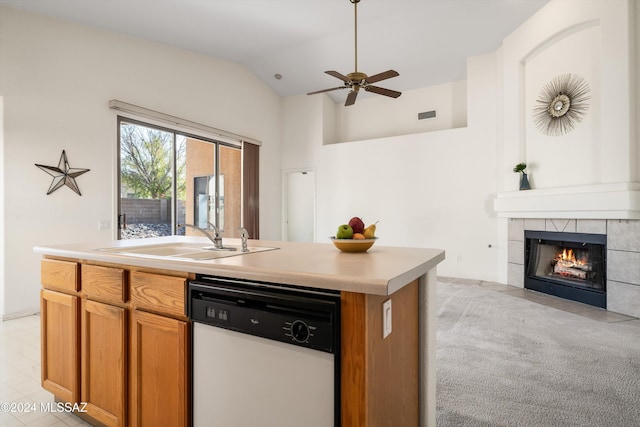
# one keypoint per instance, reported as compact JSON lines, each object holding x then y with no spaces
{"x":573,"y":158}
{"x":591,"y":38}
{"x":57,"y":80}
{"x":375,"y":116}
{"x":636,"y":82}
{"x":571,"y":174}
{"x":429,"y":189}
{"x":2,"y":221}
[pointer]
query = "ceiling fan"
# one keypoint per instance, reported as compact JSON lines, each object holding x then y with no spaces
{"x":357,"y":80}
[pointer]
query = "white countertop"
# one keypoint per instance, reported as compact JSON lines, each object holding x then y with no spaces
{"x":381,"y":270}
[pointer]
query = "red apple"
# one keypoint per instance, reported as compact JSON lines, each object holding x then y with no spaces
{"x":357,"y":224}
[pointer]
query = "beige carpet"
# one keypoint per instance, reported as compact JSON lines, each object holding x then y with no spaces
{"x":509,"y":357}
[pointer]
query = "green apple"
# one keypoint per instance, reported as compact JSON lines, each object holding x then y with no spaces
{"x":344,"y":232}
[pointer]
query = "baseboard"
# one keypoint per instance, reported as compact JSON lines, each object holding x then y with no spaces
{"x":18,"y":314}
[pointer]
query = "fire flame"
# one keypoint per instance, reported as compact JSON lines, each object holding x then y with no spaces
{"x":569,"y":258}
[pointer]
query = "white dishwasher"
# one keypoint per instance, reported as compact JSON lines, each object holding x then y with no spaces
{"x":264,"y":355}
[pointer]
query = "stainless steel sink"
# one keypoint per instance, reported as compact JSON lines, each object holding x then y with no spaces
{"x":193,"y":251}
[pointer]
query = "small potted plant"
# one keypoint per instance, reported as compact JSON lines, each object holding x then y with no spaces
{"x":524,"y":181}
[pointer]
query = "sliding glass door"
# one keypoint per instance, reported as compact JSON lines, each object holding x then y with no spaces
{"x":230,"y":190}
{"x":214,"y":186}
{"x":168,"y":179}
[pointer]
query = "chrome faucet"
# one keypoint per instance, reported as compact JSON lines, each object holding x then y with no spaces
{"x":244,"y":235}
{"x":215,"y":238}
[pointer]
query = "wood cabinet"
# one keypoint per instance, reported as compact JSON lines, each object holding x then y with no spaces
{"x":117,"y":339}
{"x":59,"y":317}
{"x":160,"y":348}
{"x":104,"y":344}
{"x":159,"y":293}
{"x":380,"y":375}
{"x":106,"y":284}
{"x":60,"y":328}
{"x":103,"y":366}
{"x":160,"y":372}
{"x":60,"y":275}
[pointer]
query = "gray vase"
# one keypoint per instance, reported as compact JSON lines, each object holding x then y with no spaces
{"x":524,"y":182}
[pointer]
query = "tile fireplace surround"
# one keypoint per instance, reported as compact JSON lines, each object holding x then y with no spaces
{"x":623,"y":255}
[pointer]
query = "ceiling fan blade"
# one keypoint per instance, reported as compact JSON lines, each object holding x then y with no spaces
{"x":382,"y":76}
{"x":383,"y":91}
{"x":351,"y":98}
{"x":327,"y":90}
{"x":338,"y":76}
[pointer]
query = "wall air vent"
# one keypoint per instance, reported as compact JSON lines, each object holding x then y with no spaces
{"x":427,"y":115}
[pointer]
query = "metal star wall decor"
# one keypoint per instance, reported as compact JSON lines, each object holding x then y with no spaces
{"x":63,"y":175}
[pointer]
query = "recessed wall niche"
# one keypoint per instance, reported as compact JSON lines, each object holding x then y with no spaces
{"x":571,"y":158}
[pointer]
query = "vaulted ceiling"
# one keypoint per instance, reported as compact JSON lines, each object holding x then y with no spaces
{"x":426,"y":41}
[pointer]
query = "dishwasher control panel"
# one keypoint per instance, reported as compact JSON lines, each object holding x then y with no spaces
{"x":299,"y":331}
{"x":219,"y":314}
{"x":302,"y":319}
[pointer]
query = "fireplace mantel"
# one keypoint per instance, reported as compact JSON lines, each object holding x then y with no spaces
{"x":600,"y":201}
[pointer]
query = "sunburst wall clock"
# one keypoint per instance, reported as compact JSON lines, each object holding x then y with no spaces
{"x":561,"y":105}
{"x":63,"y":175}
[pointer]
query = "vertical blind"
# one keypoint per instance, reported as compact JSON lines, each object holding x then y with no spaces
{"x":250,"y":193}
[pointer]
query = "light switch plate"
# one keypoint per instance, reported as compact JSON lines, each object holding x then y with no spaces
{"x":386,"y":318}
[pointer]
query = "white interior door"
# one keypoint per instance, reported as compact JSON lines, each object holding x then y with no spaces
{"x":299,"y":206}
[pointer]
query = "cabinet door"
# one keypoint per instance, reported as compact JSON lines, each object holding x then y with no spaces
{"x":159,"y":370}
{"x":104,"y":335}
{"x":60,"y":346}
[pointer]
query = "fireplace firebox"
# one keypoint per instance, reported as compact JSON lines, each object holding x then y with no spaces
{"x":567,"y":265}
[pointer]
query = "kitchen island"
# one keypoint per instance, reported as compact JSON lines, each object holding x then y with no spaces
{"x":93,"y":287}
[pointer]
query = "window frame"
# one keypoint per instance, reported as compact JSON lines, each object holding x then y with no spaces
{"x":175,"y":132}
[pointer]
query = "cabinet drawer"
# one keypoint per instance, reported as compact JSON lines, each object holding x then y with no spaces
{"x":106,"y":284}
{"x":158,"y":293}
{"x":62,"y":275}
